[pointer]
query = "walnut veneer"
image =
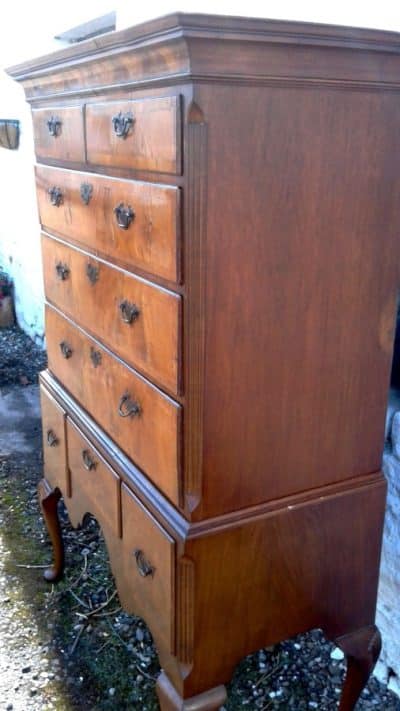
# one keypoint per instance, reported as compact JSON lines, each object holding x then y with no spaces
{"x":219,"y":202}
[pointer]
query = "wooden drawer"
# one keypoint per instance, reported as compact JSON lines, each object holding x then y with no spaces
{"x":83,"y":206}
{"x":142,"y":134}
{"x":59,"y":134}
{"x":149,"y":566}
{"x":138,"y":320}
{"x":54,"y":449}
{"x":99,"y":381}
{"x":93,"y":481}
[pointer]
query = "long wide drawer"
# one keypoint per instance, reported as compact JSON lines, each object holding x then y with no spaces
{"x":131,"y":221}
{"x":93,"y":480}
{"x":141,"y":133}
{"x":138,"y":320}
{"x":143,"y":421}
{"x":59,"y":134}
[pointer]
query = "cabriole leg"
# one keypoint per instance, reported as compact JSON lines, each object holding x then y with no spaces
{"x":171,"y":701}
{"x":49,"y":499}
{"x":362,"y":649}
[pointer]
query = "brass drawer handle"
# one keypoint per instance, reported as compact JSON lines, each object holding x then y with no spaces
{"x":66,"y":349}
{"x":56,"y":196}
{"x":92,"y":272}
{"x":86,"y":193}
{"x":62,"y":271}
{"x":54,"y":126}
{"x":129,"y":311}
{"x":122,"y":123}
{"x":52,"y":439}
{"x":128,"y":407}
{"x":124,"y":215}
{"x":143,"y":566}
{"x":88,"y":461}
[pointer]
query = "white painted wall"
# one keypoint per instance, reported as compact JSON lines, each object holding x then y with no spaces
{"x":34,"y":36}
{"x":19,"y":225}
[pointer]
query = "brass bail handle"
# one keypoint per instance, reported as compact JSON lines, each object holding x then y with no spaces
{"x":52,"y":439}
{"x":143,"y":566}
{"x":88,"y":461}
{"x":128,"y":407}
{"x":66,"y":349}
{"x":129,"y":311}
{"x":124,"y":215}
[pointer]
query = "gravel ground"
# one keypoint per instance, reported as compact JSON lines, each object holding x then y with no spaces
{"x":71,"y":647}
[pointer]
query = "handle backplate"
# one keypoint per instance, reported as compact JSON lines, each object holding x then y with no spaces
{"x":122,"y":123}
{"x":62,"y":271}
{"x":129,"y":311}
{"x":92,"y":272}
{"x":86,"y":192}
{"x":54,"y":126}
{"x":56,"y":196}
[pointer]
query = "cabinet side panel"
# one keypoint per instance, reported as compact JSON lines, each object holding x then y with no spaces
{"x":255,"y":585}
{"x":302,"y":271}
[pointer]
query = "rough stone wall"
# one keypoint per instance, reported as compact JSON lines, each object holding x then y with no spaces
{"x":388,"y":612}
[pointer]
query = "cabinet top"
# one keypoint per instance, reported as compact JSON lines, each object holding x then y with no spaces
{"x":184,"y":46}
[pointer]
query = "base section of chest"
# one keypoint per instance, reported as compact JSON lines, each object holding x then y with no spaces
{"x":215,"y":592}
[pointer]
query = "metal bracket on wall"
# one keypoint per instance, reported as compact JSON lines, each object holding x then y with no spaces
{"x":9,"y":133}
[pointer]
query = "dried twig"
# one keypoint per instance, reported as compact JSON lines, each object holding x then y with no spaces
{"x":76,"y":640}
{"x":81,"y":602}
{"x":267,"y":705}
{"x":21,"y":565}
{"x":96,"y":610}
{"x":267,"y":675}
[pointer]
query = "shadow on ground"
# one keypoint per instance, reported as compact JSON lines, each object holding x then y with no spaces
{"x":71,"y":647}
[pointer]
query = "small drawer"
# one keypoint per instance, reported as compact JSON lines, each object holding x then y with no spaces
{"x":54,"y":450}
{"x":149,"y":566}
{"x":143,"y":421}
{"x":135,"y":318}
{"x":59,"y":134}
{"x":143,"y":134}
{"x":93,"y":482}
{"x":133,"y":222}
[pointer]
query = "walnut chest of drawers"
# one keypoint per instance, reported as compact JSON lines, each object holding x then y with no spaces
{"x":219,"y":203}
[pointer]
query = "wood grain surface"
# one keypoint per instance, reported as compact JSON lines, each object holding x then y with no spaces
{"x":54,"y":443}
{"x":151,"y":342}
{"x":94,"y":480}
{"x":68,"y":144}
{"x":152,"y":142}
{"x":99,"y":381}
{"x":150,"y":242}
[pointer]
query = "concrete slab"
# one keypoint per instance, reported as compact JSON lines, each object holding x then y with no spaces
{"x":20,"y":427}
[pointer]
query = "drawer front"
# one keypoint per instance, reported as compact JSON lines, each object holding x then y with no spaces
{"x":139,"y":321}
{"x":54,"y":449}
{"x":108,"y":390}
{"x":149,"y":565}
{"x":59,"y":134}
{"x":143,"y":134}
{"x":131,"y":221}
{"x":93,"y":481}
